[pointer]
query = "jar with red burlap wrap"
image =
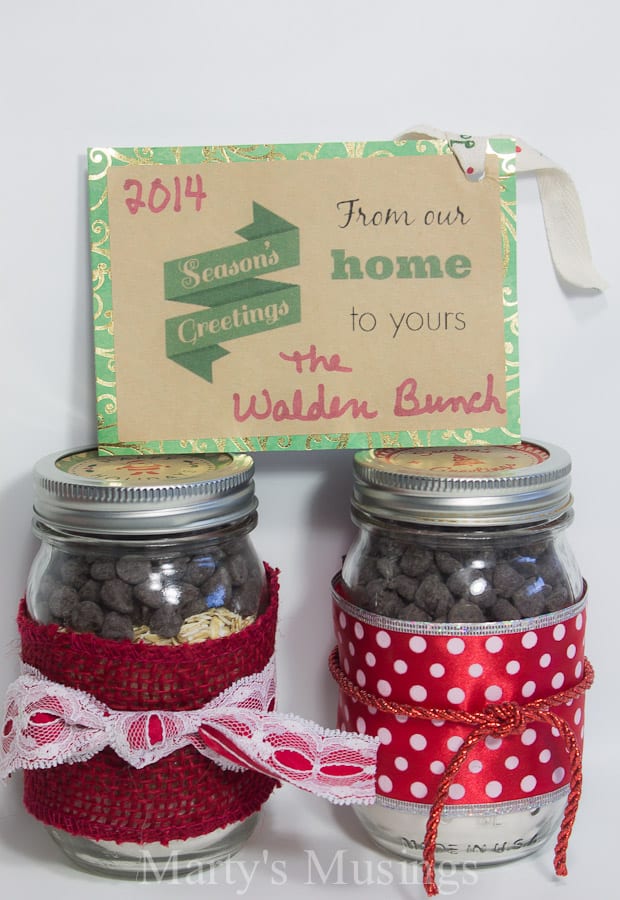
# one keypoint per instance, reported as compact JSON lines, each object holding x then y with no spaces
{"x":460,"y":624}
{"x":147,"y":595}
{"x":145,"y":714}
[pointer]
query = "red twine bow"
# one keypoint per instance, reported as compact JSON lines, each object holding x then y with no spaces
{"x":496,"y":720}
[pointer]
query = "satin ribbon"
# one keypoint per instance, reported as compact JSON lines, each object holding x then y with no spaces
{"x":563,"y":216}
{"x":48,"y":724}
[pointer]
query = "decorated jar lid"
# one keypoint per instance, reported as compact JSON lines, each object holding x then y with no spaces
{"x":88,"y":493}
{"x":464,"y":486}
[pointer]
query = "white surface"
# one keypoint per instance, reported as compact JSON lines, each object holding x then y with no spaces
{"x":75,"y":74}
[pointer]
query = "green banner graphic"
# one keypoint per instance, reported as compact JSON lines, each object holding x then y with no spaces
{"x":227,"y":281}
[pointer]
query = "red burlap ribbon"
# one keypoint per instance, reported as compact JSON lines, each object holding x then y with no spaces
{"x":182,"y":795}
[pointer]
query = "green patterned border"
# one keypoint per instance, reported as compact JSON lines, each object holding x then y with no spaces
{"x":99,"y":162}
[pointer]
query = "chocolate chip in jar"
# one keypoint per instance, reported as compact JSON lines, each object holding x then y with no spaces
{"x":218,"y":589}
{"x":504,"y":611}
{"x":146,"y":561}
{"x":90,"y":590}
{"x":86,"y":617}
{"x":469,"y":559}
{"x":103,"y":569}
{"x":62,"y":601}
{"x":435,"y":597}
{"x":447,"y":563}
{"x":531,"y":598}
{"x":506,"y":579}
{"x":380,"y":598}
{"x":166,"y":621}
{"x":133,"y":569}
{"x":151,"y":593}
{"x":237,"y":569}
{"x":243,"y":600}
{"x":406,"y":587}
{"x":117,"y":627}
{"x":415,"y":561}
{"x":191,"y":600}
{"x":74,"y":571}
{"x":200,"y":568}
{"x":411,"y":612}
{"x":388,"y":567}
{"x":117,"y":595}
{"x":464,"y":611}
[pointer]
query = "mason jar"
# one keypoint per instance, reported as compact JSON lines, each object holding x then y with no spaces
{"x":461,"y":594}
{"x":145,"y":592}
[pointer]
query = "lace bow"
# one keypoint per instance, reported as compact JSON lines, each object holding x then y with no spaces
{"x":47,"y":724}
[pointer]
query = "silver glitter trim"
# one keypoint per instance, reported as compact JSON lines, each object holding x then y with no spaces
{"x":438,"y":629}
{"x":477,"y":809}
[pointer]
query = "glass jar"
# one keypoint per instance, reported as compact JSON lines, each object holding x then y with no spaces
{"x":459,"y":593}
{"x":152,"y":552}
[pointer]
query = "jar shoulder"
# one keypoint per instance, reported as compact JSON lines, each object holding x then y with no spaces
{"x":457,"y":576}
{"x":147,"y":591}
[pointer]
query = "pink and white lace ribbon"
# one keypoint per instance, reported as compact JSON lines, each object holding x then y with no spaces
{"x":47,"y":724}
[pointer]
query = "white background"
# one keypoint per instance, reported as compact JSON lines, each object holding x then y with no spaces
{"x":76,"y":74}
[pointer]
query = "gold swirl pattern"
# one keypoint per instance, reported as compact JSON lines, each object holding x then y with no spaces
{"x":233,"y":153}
{"x":508,"y":228}
{"x":101,"y":229}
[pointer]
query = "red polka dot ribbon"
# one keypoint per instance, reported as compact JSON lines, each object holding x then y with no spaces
{"x":472,"y":719}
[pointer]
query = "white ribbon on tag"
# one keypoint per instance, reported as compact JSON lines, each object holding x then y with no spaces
{"x":563,"y":216}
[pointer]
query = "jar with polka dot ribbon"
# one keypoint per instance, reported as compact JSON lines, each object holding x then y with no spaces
{"x":459,"y":616}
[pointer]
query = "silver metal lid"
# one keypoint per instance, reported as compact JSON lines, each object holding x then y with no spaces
{"x":82,"y":492}
{"x":464,"y":486}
